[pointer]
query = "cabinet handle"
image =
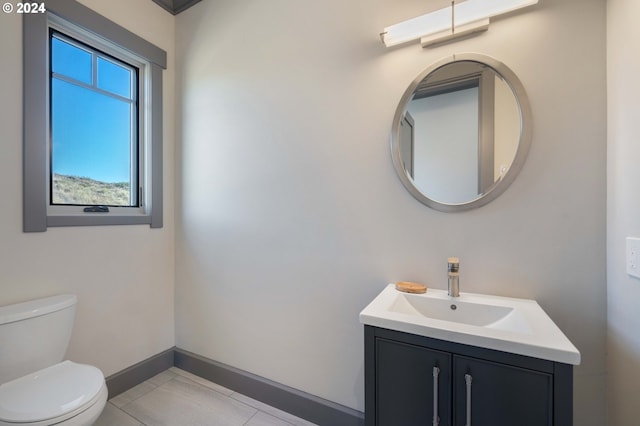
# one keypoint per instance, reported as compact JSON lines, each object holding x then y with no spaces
{"x":436,"y":374}
{"x":468,"y":379}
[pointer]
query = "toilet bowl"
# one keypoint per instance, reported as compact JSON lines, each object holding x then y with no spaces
{"x":37,"y":388}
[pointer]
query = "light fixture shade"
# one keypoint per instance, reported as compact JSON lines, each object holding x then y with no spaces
{"x":412,"y":29}
{"x":439,"y":21}
{"x":474,"y":10}
{"x":461,"y":31}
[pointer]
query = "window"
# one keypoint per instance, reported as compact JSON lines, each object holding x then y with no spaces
{"x":92,"y":122}
{"x":93,"y":127}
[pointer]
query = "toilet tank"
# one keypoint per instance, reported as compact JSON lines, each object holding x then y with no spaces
{"x":34,"y":334}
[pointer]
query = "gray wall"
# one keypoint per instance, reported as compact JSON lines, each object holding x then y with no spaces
{"x":290,"y":216}
{"x":623,"y":210}
{"x":123,"y":276}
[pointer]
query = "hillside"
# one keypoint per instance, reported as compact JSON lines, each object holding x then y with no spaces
{"x":82,"y":190}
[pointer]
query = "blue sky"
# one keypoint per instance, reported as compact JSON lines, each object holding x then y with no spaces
{"x":90,"y":129}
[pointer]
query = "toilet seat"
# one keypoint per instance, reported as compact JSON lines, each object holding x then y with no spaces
{"x":52,"y":395}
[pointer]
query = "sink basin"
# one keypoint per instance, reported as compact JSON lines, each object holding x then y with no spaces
{"x":463,"y":312}
{"x":511,"y":325}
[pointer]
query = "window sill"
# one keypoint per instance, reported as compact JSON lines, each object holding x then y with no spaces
{"x":98,"y":219}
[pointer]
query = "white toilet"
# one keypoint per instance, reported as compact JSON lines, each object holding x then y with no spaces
{"x":37,"y":387}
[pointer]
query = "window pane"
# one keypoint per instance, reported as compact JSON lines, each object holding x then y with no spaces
{"x":114,"y":78}
{"x":69,"y":60}
{"x":91,"y":158}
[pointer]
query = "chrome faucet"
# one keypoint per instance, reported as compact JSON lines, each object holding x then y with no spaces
{"x":453,"y":268}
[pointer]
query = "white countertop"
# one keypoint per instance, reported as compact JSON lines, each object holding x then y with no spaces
{"x":518,"y":326}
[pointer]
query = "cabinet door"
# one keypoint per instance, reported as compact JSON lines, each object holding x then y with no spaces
{"x":406,"y":389}
{"x":493,"y":394}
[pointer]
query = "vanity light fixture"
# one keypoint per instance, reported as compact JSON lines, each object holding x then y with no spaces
{"x":451,"y":22}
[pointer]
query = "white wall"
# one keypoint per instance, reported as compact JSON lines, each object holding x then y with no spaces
{"x":123,"y":276}
{"x":623,"y":211}
{"x":445,"y":149}
{"x":291,"y":218}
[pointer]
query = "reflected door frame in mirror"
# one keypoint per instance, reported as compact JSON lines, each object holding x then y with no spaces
{"x":420,"y":86}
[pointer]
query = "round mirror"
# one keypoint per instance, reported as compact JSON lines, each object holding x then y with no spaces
{"x":461,"y":132}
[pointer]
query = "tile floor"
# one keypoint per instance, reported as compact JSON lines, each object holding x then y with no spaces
{"x":178,"y":398}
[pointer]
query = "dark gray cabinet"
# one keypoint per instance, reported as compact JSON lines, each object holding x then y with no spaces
{"x":500,"y":394}
{"x":413,"y":384}
{"x":415,"y":380}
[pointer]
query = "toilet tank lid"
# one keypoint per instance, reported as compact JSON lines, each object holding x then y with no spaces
{"x":35,"y":308}
{"x":50,"y":393}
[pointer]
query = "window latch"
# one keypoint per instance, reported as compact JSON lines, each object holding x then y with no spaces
{"x":96,"y":209}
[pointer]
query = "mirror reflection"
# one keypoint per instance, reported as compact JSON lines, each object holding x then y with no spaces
{"x":459,"y":135}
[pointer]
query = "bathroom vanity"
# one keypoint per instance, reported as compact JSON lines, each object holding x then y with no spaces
{"x":460,"y":359}
{"x":409,"y":379}
{"x":473,"y":360}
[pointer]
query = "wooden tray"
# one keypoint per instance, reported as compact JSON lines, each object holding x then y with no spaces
{"x":409,"y":287}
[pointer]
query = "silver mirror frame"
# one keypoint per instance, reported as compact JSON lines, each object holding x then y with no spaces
{"x":523,"y":146}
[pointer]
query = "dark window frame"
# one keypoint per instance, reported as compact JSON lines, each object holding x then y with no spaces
{"x":136,"y":180}
{"x":36,"y":216}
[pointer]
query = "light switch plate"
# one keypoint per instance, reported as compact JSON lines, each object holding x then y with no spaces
{"x":633,"y":257}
